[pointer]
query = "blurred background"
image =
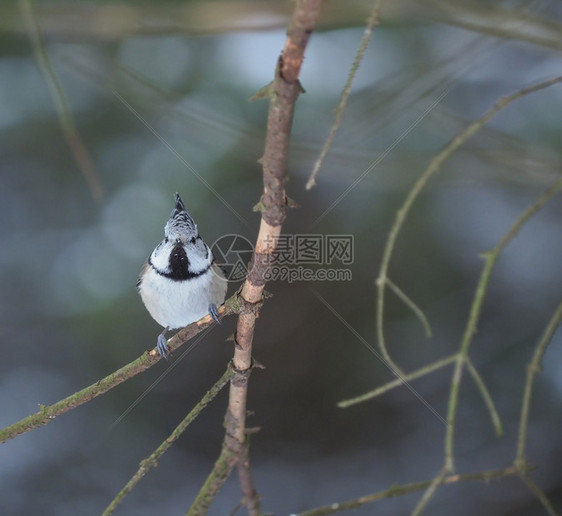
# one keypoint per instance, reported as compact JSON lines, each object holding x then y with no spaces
{"x":159,"y":95}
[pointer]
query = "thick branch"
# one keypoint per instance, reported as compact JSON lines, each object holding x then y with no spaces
{"x":283,"y":93}
{"x":231,"y":452}
{"x":283,"y":96}
{"x":251,"y":496}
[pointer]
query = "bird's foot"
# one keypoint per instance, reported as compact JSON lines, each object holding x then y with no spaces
{"x":213,"y":312}
{"x":162,"y":345}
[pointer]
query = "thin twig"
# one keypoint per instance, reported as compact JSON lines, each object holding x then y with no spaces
{"x":475,"y":309}
{"x":401,"y":216}
{"x":398,"y":382}
{"x":541,"y":496}
{"x":220,"y":17}
{"x":533,"y":368}
{"x":152,"y":460}
{"x":418,"y":312}
{"x":500,"y":21}
{"x":491,"y":258}
{"x":479,"y":381}
{"x":410,"y":488}
{"x":431,"y":489}
{"x":372,"y":21}
{"x":283,"y":93}
{"x":64,"y":113}
{"x":47,"y":413}
{"x":472,"y":322}
{"x":433,"y":167}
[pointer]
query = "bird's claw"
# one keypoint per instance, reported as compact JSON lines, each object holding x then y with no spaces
{"x":162,"y":345}
{"x":213,"y":312}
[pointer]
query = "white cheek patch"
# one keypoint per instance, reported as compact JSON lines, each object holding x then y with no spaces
{"x":199,"y":257}
{"x":160,"y":257}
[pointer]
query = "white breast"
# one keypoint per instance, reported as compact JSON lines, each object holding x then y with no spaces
{"x":175,"y":304}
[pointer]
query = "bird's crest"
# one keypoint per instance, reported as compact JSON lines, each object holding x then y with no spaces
{"x":180,"y":224}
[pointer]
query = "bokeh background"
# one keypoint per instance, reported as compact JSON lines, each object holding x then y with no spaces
{"x":159,"y":94}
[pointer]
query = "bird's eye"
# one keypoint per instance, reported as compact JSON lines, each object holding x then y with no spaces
{"x":192,"y":240}
{"x":166,"y":240}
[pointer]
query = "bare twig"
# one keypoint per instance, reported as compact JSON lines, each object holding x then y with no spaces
{"x":398,"y":382}
{"x":47,"y":413}
{"x":470,"y":329}
{"x":372,"y":21}
{"x":430,"y":491}
{"x":484,"y":476}
{"x":476,"y":307}
{"x":541,"y":496}
{"x":77,"y":21}
{"x":533,"y":368}
{"x":500,"y":20}
{"x":475,"y":310}
{"x":152,"y":460}
{"x":479,"y":381}
{"x":66,"y":120}
{"x":434,"y":167}
{"x":418,"y":312}
{"x":283,"y":93}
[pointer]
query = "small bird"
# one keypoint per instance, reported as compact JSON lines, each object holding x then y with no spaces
{"x":180,"y":282}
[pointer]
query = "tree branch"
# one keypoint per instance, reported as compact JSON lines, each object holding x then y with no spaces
{"x":432,"y":169}
{"x":251,"y":496}
{"x":541,"y":496}
{"x":68,"y":127}
{"x":491,"y":258}
{"x":422,"y":371}
{"x":220,"y":472}
{"x":486,"y":396}
{"x":283,"y":93}
{"x":152,"y":460}
{"x":533,"y":368}
{"x":47,"y":413}
{"x":418,"y":312}
{"x":372,"y":21}
{"x":484,"y":476}
{"x":382,"y":280}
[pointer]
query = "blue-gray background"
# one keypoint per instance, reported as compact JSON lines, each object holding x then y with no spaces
{"x":69,"y":312}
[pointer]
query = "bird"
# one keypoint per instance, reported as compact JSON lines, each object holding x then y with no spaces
{"x":180,"y":282}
